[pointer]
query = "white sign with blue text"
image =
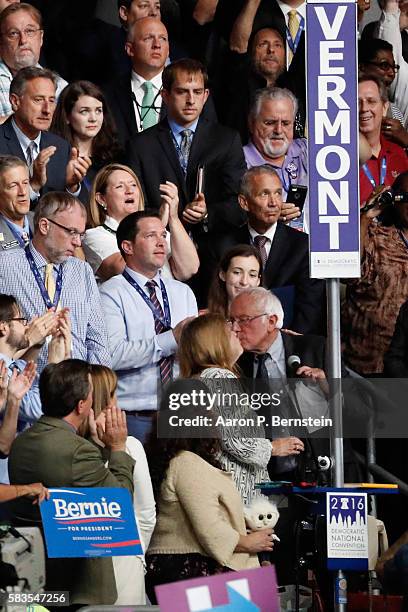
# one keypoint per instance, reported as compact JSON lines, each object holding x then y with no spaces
{"x":347,"y":533}
{"x":90,"y":522}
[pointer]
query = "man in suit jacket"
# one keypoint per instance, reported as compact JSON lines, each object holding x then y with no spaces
{"x":15,"y":218}
{"x":178,"y":147}
{"x":283,"y":249}
{"x":52,"y":164}
{"x":53,"y":453}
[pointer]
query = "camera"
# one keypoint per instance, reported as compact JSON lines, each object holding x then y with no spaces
{"x":387,"y":198}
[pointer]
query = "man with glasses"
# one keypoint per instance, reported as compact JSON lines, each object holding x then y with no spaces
{"x":46,"y":276}
{"x":283,"y":250}
{"x":21,"y":39}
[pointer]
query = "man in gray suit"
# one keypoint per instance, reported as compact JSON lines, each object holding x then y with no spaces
{"x":15,"y":219}
{"x":53,"y":451}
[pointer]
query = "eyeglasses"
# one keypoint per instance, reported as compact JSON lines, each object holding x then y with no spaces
{"x":22,"y":320}
{"x":69,"y":230}
{"x":242,"y":321}
{"x":384,"y":65}
{"x":16,"y":34}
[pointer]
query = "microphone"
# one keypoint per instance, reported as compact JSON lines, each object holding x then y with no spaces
{"x":294,"y":363}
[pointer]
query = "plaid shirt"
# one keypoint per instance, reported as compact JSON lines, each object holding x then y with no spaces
{"x":79,"y":293}
{"x":5,"y":79}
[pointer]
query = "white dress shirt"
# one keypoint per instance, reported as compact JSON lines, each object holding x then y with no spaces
{"x":269,"y":234}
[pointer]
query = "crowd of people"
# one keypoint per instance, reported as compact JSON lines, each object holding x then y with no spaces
{"x":147,"y":236}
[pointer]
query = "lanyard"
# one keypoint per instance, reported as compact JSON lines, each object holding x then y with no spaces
{"x":383,"y":172}
{"x":156,"y":314}
{"x":17,"y":235}
{"x":40,"y":282}
{"x":293,"y":44}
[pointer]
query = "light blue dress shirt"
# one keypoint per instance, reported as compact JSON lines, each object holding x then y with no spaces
{"x":135,"y":347}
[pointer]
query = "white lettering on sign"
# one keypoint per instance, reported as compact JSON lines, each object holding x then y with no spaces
{"x":71,"y":510}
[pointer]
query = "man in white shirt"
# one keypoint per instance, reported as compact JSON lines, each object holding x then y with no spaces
{"x":135,"y":99}
{"x":144,"y":316}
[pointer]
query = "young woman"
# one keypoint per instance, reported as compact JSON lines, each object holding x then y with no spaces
{"x":116,"y":192}
{"x":84,"y":120}
{"x":129,"y":571}
{"x":240,"y":268}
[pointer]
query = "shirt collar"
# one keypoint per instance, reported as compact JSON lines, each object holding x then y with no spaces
{"x":277,"y":349}
{"x":141,"y":279}
{"x":285,"y":8}
{"x":21,"y":230}
{"x":138,"y":80}
{"x":39,"y":260}
{"x":23,"y":139}
{"x":177,"y":129}
{"x":270,"y":233}
{"x":111,"y":222}
{"x":7,"y":360}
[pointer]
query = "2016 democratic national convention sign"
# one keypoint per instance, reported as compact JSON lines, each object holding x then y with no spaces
{"x":333,"y":139}
{"x":90,"y":522}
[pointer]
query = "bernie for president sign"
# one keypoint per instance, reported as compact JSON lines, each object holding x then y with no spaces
{"x":90,"y":522}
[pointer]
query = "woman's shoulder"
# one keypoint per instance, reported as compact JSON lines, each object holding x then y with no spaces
{"x":217,"y":373}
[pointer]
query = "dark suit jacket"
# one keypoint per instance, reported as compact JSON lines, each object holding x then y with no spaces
{"x":119,"y":96}
{"x":287,"y":265}
{"x":396,"y":358}
{"x":153,"y":156}
{"x":56,"y":167}
{"x":52,"y":453}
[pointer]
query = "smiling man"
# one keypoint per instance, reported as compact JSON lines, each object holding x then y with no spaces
{"x":144,"y":315}
{"x":21,"y":39}
{"x":388,"y":160}
{"x":15,"y":220}
{"x":47,"y":275}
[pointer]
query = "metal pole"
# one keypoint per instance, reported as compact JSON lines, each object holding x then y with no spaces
{"x":336,"y":406}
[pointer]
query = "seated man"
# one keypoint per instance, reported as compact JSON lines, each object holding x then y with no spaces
{"x":271,"y":124}
{"x":388,"y":160}
{"x":284,"y":251}
{"x":53,"y":453}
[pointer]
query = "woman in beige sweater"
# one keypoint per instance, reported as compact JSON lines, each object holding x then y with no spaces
{"x":200,"y":527}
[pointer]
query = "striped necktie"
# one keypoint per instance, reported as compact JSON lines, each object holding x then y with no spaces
{"x":148,"y":113}
{"x":166,"y":363}
{"x":259,"y":243}
{"x":293,"y":27}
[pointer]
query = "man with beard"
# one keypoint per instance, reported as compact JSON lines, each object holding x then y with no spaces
{"x":21,"y":39}
{"x":271,"y":123}
{"x":46,"y":276}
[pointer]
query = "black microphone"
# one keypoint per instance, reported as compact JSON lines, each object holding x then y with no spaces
{"x":294,"y":363}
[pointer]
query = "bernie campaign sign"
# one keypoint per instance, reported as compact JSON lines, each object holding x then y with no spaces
{"x":90,"y":522}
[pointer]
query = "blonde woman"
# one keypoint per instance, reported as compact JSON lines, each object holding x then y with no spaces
{"x":116,"y":192}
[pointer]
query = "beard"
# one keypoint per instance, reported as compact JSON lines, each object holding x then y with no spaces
{"x":276,"y":150}
{"x":25,"y":60}
{"x":18,"y":342}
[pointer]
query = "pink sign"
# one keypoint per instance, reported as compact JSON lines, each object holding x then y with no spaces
{"x":245,"y":591}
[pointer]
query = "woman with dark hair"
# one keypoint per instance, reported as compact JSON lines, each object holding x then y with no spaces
{"x":200,"y":528}
{"x":83,"y":118}
{"x":373,"y":301}
{"x":239,"y":268}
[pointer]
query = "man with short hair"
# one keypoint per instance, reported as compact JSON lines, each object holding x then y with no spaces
{"x":284,"y":250}
{"x":271,"y":124}
{"x":56,"y":455}
{"x":134,"y":98}
{"x":46,"y":275}
{"x":15,"y":218}
{"x":52,"y":164}
{"x":144,"y":315}
{"x":21,"y":39}
{"x":186,"y":146}
{"x":388,"y":159}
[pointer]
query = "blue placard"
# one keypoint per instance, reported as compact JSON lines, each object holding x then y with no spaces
{"x":90,"y":522}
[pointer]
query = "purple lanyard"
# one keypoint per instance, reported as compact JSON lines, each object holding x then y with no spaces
{"x":156,"y":314}
{"x":40,"y":282}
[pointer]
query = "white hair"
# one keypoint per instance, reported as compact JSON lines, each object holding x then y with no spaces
{"x":267,"y":301}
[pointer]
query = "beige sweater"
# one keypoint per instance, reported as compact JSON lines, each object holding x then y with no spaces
{"x":200,"y":511}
